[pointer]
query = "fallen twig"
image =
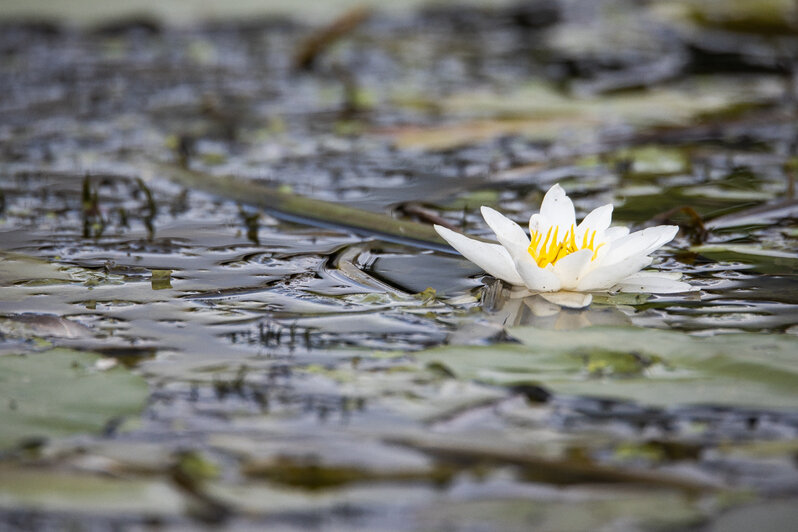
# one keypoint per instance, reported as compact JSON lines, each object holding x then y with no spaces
{"x":310,"y":49}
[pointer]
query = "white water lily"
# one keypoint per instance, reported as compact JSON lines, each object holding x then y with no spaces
{"x":565,"y":262}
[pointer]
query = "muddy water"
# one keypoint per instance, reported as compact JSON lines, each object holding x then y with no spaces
{"x":305,"y":377}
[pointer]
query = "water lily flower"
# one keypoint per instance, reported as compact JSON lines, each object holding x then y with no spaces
{"x":565,"y":262}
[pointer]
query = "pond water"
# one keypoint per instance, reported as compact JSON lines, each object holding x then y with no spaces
{"x":175,"y":352}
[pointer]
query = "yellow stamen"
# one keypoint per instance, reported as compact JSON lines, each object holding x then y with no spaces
{"x":595,"y":251}
{"x":550,"y":249}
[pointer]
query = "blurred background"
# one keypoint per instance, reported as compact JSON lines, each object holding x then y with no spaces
{"x":179,"y":349}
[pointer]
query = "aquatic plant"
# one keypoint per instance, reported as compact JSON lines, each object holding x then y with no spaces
{"x":565,"y":262}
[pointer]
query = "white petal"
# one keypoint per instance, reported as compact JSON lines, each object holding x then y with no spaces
{"x":558,"y":209}
{"x":492,"y":258}
{"x":614,"y":233}
{"x":640,"y":242}
{"x":571,"y":267}
{"x":602,"y":256}
{"x":653,"y":285}
{"x":597,"y":220}
{"x":509,"y":233}
{"x":534,"y":277}
{"x":538,"y":223}
{"x":568,"y":299}
{"x":668,"y":233}
{"x":605,"y":277}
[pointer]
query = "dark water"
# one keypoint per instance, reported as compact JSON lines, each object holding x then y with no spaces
{"x":275,"y":374}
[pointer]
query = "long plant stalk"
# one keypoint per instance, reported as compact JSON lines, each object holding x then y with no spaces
{"x":295,"y":208}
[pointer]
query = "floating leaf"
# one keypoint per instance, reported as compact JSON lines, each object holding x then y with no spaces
{"x":55,"y":491}
{"x":654,"y":159}
{"x":755,"y":16}
{"x":761,"y":259}
{"x":651,"y":366}
{"x":766,"y":214}
{"x":16,"y":268}
{"x":29,"y":325}
{"x":769,"y":515}
{"x":541,"y":112}
{"x":314,"y":463}
{"x":415,"y":273}
{"x":596,"y":510}
{"x":62,"y":392}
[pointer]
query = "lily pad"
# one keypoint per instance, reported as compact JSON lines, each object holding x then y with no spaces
{"x":586,"y":511}
{"x":539,"y":111}
{"x":46,"y":325}
{"x":62,"y":392}
{"x":754,"y":16}
{"x":16,"y":268}
{"x":60,"y":491}
{"x":314,"y":463}
{"x":761,"y":259}
{"x":655,"y":160}
{"x":651,"y":366}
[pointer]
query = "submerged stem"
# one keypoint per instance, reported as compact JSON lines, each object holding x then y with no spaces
{"x":295,"y":208}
